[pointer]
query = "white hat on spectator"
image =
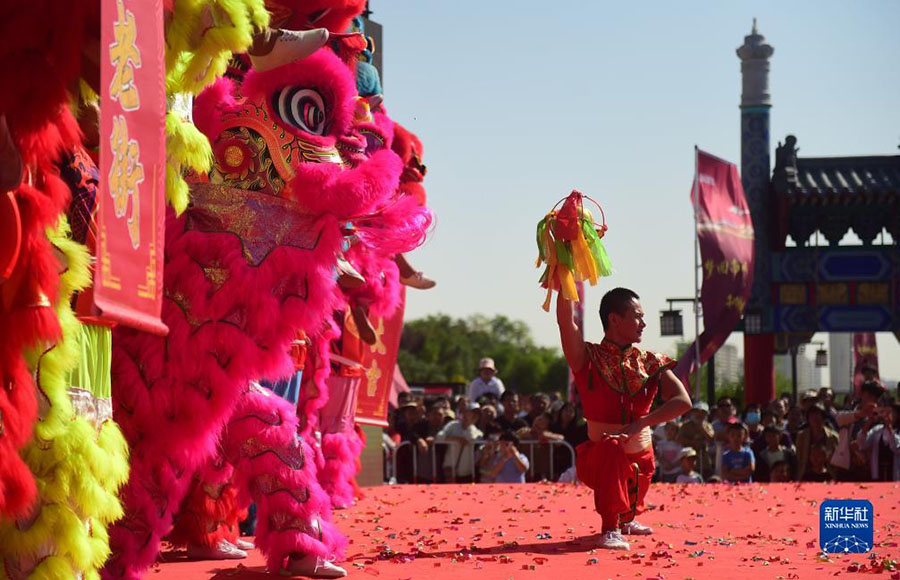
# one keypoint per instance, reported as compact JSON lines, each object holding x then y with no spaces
{"x":473,"y":407}
{"x":487,"y":363}
{"x":687,"y":452}
{"x":701,"y":406}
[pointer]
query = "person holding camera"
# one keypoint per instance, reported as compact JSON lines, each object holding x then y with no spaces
{"x":502,"y":462}
{"x":880,"y":439}
{"x":848,"y":458}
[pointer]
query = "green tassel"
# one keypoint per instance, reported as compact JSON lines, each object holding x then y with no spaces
{"x":564,"y":255}
{"x":541,"y":229}
{"x":598,"y":252}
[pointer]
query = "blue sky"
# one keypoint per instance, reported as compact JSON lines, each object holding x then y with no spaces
{"x":519,"y":102}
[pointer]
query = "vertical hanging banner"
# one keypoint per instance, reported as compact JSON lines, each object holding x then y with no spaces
{"x":372,"y":399}
{"x":131,"y":214}
{"x":865,"y":355}
{"x":725,"y":233}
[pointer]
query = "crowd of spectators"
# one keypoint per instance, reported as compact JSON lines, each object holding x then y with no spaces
{"x":814,"y":440}
{"x":499,"y":439}
{"x":508,"y":438}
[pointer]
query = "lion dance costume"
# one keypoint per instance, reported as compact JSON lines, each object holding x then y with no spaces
{"x":271,"y":216}
{"x":286,"y":174}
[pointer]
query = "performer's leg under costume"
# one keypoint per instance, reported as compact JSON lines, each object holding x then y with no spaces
{"x":212,"y":511}
{"x":620,"y":481}
{"x":214,"y":507}
{"x":336,"y":424}
{"x":276,"y":467}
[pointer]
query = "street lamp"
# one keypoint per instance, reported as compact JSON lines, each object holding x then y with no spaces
{"x":821,"y":354}
{"x":670,"y":323}
{"x":753,"y":321}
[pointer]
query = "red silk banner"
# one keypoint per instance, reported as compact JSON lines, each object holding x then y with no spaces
{"x":372,"y":399}
{"x":130,"y":218}
{"x":725,"y":232}
{"x":865,"y":354}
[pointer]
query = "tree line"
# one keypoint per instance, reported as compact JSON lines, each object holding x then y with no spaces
{"x":442,"y":349}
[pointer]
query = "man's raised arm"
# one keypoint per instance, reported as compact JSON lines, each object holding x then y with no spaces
{"x":570,"y":335}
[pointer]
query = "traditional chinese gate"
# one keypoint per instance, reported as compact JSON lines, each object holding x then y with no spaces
{"x":815,"y":285}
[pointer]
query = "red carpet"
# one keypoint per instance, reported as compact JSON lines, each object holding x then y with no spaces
{"x":538,"y":531}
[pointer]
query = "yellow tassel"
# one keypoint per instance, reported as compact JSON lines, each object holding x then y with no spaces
{"x":567,"y":285}
{"x":587,"y":268}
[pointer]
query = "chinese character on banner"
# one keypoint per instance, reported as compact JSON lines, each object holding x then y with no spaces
{"x":374,"y":393}
{"x":126,"y":174}
{"x":725,"y":234}
{"x":131,"y":213}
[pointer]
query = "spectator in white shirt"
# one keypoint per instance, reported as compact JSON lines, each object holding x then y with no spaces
{"x":486,"y":381}
{"x":463,"y":432}
{"x":669,"y":453}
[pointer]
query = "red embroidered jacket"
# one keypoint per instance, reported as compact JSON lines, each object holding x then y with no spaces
{"x":618,"y":385}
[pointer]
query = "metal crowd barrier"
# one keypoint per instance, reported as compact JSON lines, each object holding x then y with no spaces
{"x":391,"y":459}
{"x":389,"y":473}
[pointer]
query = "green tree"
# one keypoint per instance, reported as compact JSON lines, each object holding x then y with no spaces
{"x":439,"y":348}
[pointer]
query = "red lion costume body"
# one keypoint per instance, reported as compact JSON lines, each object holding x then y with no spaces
{"x":249,"y":263}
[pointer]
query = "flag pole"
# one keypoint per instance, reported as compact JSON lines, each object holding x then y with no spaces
{"x":697,"y":268}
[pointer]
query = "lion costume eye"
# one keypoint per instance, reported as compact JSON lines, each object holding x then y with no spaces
{"x":302,"y":108}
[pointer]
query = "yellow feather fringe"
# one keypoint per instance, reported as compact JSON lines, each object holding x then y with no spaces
{"x":196,"y":55}
{"x":77,"y":469}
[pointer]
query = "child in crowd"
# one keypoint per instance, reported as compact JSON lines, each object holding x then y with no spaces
{"x":772,"y":453}
{"x":668,"y":452}
{"x":817,"y":470}
{"x":738,"y":462}
{"x":780,"y":472}
{"x":687,"y":473}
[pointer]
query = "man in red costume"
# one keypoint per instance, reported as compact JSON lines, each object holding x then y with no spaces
{"x":617,"y":383}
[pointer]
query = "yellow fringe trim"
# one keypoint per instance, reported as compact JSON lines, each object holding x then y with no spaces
{"x":77,"y":469}
{"x":197,"y":53}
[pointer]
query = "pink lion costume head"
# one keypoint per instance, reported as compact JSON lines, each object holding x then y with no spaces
{"x":249,"y":262}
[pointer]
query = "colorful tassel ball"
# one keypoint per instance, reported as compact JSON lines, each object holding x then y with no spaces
{"x":569,"y":244}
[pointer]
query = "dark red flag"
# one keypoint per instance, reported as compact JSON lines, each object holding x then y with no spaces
{"x":865,"y":354}
{"x":725,"y":231}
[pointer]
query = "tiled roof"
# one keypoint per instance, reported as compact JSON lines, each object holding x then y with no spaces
{"x":875,"y":178}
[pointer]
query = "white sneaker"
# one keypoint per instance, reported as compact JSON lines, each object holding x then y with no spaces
{"x":244,"y":545}
{"x":313,"y":567}
{"x":633,"y":528}
{"x":222,"y":551}
{"x":613,"y":540}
